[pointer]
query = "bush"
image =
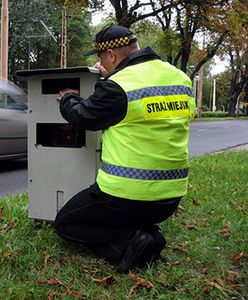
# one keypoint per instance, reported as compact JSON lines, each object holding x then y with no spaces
{"x":214,"y":114}
{"x":217,"y":114}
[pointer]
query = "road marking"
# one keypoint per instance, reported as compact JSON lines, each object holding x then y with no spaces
{"x":202,"y":129}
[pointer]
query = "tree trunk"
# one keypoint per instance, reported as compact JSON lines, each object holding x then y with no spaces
{"x":232,"y":105}
{"x":170,"y":59}
{"x":185,"y":50}
{"x":235,"y":92}
{"x":246,"y":99}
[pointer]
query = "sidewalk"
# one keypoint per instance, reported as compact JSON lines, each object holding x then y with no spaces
{"x":236,"y":148}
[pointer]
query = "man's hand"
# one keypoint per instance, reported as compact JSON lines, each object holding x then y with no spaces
{"x":66,"y":91}
{"x":102,"y":70}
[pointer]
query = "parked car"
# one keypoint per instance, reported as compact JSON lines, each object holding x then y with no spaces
{"x":13,"y":121}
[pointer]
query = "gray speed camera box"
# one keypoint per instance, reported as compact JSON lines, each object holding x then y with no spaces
{"x":62,"y":159}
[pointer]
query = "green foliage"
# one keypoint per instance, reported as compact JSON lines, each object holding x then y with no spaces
{"x":169,"y":43}
{"x":79,"y":4}
{"x":205,"y":257}
{"x":74,"y":4}
{"x":223,"y":89}
{"x":216,"y":114}
{"x":147,"y":33}
{"x":30,"y":44}
{"x":80,"y":38}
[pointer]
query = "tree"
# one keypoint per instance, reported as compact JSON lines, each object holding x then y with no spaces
{"x":30,"y":44}
{"x":239,"y":71}
{"x":191,"y":19}
{"x":77,"y":6}
{"x":127,"y":14}
{"x":222,"y":89}
{"x":245,"y":100}
{"x":79,"y":37}
{"x":237,"y":47}
{"x":180,"y":21}
{"x":80,"y":4}
{"x":149,"y":34}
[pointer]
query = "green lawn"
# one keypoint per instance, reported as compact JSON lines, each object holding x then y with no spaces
{"x":206,"y":255}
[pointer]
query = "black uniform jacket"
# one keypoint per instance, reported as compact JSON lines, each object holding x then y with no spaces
{"x":107,"y":106}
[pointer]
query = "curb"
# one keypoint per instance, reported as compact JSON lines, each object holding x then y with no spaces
{"x":243,"y":147}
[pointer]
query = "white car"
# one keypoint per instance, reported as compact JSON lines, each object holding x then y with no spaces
{"x":13,"y":121}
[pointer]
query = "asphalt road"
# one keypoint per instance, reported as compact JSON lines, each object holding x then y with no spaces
{"x":210,"y":137}
{"x":13,"y":177}
{"x":205,"y":137}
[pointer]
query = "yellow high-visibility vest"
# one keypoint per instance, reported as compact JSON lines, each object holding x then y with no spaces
{"x":145,"y":156}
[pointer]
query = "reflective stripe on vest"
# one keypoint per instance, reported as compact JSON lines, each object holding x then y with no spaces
{"x":159,"y":91}
{"x":144,"y":174}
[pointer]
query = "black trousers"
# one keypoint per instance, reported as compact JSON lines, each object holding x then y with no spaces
{"x":106,"y":223}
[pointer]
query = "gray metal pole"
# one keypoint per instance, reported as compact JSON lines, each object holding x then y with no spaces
{"x":214,"y":95}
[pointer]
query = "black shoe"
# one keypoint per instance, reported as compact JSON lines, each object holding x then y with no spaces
{"x":159,"y":239}
{"x":138,"y":249}
{"x":159,"y":244}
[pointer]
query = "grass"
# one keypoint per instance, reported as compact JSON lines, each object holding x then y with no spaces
{"x":206,"y":256}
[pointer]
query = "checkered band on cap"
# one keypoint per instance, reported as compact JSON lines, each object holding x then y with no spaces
{"x":144,"y":174}
{"x":116,"y":43}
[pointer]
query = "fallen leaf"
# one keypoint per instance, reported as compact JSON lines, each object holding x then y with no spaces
{"x":51,"y":282}
{"x":238,"y":256}
{"x":52,"y":295}
{"x":218,"y":284}
{"x":200,"y":222}
{"x":106,"y":281}
{"x":138,"y":279}
{"x":225,"y":231}
{"x":205,"y":270}
{"x":139,"y":282}
{"x":173,"y":263}
{"x":190,"y":227}
{"x":77,"y":294}
{"x":207,"y":289}
{"x":46,"y":260}
{"x":232,"y":275}
{"x":240,"y":208}
{"x":177,"y":213}
{"x":236,"y":286}
{"x":8,"y":226}
{"x":86,"y":269}
{"x":64,"y":289}
{"x":180,"y":249}
{"x":8,"y":255}
{"x":232,"y":280}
